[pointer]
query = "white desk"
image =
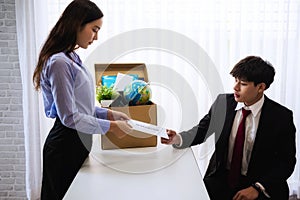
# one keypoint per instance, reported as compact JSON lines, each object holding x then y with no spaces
{"x":144,"y":173}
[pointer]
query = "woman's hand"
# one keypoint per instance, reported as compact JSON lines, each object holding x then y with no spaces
{"x":120,"y":128}
{"x":116,"y":115}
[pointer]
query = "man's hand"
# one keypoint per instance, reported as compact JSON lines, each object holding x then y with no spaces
{"x":249,"y":193}
{"x":173,"y":138}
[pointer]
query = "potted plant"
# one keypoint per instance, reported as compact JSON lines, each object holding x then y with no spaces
{"x":106,"y":95}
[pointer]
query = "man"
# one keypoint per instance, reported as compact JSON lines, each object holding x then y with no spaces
{"x":254,"y":152}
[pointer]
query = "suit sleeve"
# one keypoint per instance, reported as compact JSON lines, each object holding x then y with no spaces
{"x":286,"y":159}
{"x":278,"y":154}
{"x":211,"y":123}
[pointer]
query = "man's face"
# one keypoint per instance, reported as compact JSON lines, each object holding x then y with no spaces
{"x":247,"y":92}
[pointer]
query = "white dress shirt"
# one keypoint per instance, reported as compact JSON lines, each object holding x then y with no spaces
{"x":251,"y":127}
{"x":69,"y":93}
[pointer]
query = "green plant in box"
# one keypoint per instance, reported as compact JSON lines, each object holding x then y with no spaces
{"x":105,"y":93}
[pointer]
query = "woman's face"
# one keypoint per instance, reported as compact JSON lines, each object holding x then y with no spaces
{"x":88,"y":33}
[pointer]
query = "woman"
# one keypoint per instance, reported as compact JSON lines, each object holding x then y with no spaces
{"x":68,"y":94}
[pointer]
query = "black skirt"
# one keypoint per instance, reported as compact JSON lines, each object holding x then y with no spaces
{"x":64,"y":152}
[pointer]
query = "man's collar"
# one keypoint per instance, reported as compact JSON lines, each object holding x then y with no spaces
{"x":255,"y":108}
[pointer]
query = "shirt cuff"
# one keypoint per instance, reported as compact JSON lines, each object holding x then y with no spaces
{"x":262,"y":188}
{"x":180,"y":143}
{"x":101,"y":112}
{"x":104,"y":126}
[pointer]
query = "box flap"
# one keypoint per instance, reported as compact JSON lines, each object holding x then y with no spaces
{"x":104,"y":69}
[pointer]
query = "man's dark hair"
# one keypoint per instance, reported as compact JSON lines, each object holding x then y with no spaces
{"x":254,"y":69}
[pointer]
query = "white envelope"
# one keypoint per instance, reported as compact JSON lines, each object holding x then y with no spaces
{"x":122,"y":81}
{"x":148,"y":128}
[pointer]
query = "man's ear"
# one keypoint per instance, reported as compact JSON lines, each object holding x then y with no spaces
{"x":261,"y":87}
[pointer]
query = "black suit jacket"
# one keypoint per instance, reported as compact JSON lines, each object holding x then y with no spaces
{"x":273,"y":155}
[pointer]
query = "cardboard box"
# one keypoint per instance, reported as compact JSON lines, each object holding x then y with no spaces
{"x":144,"y":113}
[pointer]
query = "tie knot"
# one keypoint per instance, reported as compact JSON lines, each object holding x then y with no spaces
{"x":245,"y":112}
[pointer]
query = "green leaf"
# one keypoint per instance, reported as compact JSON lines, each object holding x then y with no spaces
{"x":105,"y":93}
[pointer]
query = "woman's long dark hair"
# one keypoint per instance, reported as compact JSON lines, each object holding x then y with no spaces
{"x":62,"y":37}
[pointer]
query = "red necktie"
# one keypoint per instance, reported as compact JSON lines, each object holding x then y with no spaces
{"x":237,"y":155}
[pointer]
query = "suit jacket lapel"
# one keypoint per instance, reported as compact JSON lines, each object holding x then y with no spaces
{"x":218,"y":159}
{"x":261,"y":132}
{"x":222,"y":145}
{"x":229,"y":117}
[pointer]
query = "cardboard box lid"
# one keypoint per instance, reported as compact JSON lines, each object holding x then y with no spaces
{"x":104,"y":69}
